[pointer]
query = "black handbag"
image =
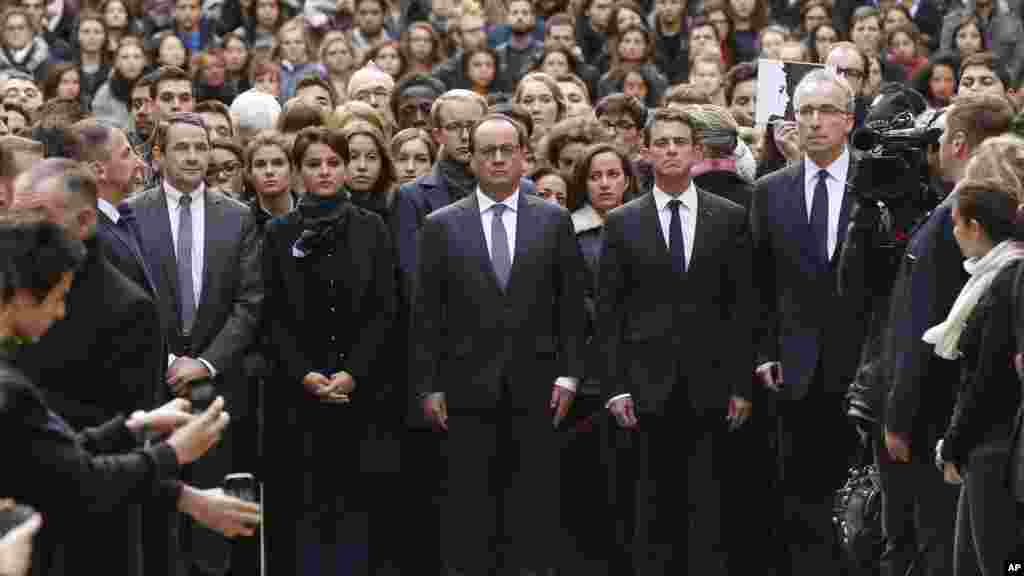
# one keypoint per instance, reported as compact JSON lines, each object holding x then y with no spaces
{"x":857,"y":516}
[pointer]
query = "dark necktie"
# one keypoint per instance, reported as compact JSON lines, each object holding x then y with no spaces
{"x":819,"y":215}
{"x":676,"y":244}
{"x":186,"y":296}
{"x":501,"y":257}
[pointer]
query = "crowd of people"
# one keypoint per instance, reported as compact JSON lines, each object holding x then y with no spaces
{"x":518,"y":287}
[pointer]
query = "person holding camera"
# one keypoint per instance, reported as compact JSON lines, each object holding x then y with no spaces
{"x":916,"y":389}
{"x":981,"y":331}
{"x":77,"y":479}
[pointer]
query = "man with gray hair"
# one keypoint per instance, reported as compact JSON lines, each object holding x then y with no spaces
{"x":254,"y":111}
{"x":809,"y":338}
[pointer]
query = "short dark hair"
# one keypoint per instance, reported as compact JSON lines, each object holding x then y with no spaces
{"x":987,"y":60}
{"x":314,"y":79}
{"x":215,"y":107}
{"x":523,"y":137}
{"x":167,"y":74}
{"x":333,"y":139}
{"x":409,"y":81}
{"x":37,"y":254}
{"x":620,"y":103}
{"x":581,"y":130}
{"x":163,"y":129}
{"x":671,"y":114}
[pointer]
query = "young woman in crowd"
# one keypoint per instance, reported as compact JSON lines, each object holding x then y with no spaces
{"x":119,"y":22}
{"x":20,"y":48}
{"x":265,"y":76}
{"x":623,"y":14}
{"x":389,"y":57}
{"x":329,"y":278}
{"x":873,"y":82}
{"x":211,"y":82}
{"x":770,"y":39}
{"x":967,"y":37}
{"x":268,"y":173}
{"x":602,"y":181}
{"x":91,"y":43}
{"x":564,"y":144}
{"x":577,"y":96}
{"x":225,"y":173}
{"x":112,"y":102}
{"x":414,"y":153}
{"x":866,"y":33}
{"x":748,"y":17}
{"x":236,"y":62}
{"x":540,"y":95}
{"x":422,"y":48}
{"x":903,"y":44}
{"x":481,"y":68}
{"x":820,"y":41}
{"x":171,"y":51}
{"x":371,"y":174}
{"x":62,"y":81}
{"x":338,"y":57}
{"x":556,"y":61}
{"x":894,"y":16}
{"x":813,"y":13}
{"x":981,"y":330}
{"x":937,"y":80}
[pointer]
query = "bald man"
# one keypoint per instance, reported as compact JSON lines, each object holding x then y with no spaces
{"x":17,"y":155}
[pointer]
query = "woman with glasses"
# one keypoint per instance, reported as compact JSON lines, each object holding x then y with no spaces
{"x":329,"y":303}
{"x":111,"y":103}
{"x":224,"y":173}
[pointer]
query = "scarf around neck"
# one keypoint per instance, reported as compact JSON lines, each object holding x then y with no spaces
{"x":461,"y":182}
{"x":320,"y":219}
{"x":946,"y":335}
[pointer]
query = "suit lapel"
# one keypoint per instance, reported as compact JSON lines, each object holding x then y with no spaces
{"x":844,"y":211}
{"x":158,"y":222}
{"x":473,"y":238}
{"x":656,"y":242}
{"x":702,"y":227}
{"x":211,"y":239}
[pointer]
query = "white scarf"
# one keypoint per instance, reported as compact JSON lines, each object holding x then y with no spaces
{"x":946,"y":336}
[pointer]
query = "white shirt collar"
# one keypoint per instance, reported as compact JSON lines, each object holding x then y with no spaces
{"x":512,"y":202}
{"x":688,"y":198}
{"x":108,"y":209}
{"x":836,"y":170}
{"x":175,"y":195}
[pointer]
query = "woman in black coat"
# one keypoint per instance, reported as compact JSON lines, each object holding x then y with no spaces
{"x":330,"y":306}
{"x":981,"y":330}
{"x":74,"y":479}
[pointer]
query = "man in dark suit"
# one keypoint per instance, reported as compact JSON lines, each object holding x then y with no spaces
{"x":497,"y":351}
{"x":917,"y":392}
{"x":672,"y":260}
{"x":201,"y":250}
{"x":810,"y":336}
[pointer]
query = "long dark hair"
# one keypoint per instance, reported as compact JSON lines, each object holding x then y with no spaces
{"x":578,"y":194}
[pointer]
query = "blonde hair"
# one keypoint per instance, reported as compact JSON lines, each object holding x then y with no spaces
{"x":998,"y":162}
{"x":356,"y":110}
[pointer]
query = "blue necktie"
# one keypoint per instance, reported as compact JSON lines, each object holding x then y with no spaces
{"x":676,"y":244}
{"x":186,"y":296}
{"x":501,"y":257}
{"x":819,"y":215}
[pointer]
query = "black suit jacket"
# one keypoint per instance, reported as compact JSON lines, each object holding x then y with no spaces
{"x":119,"y":249}
{"x":65,"y":475}
{"x":228,"y":310}
{"x":656,"y":330}
{"x":801,"y":313}
{"x":103,"y":358}
{"x":479,"y":345}
{"x":920,"y":389}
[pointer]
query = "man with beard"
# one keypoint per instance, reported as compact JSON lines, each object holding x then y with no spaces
{"x":517,"y":54}
{"x":412,"y":99}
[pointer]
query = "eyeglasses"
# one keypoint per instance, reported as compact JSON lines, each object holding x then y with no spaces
{"x":621,"y":125}
{"x":506,"y":150}
{"x":423,"y":107}
{"x":807,"y":111}
{"x":850,"y":73}
{"x":459,"y":127}
{"x":228,"y":169}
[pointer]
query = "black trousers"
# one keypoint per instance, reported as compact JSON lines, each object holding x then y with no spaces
{"x":988,"y":517}
{"x":500,"y":506}
{"x":670,"y":503}
{"x":918,"y":515}
{"x":816,"y":445}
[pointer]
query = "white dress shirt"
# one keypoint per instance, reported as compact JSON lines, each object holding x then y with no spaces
{"x":198,"y":243}
{"x":109,"y":209}
{"x":836,"y":184}
{"x":688,"y":220}
{"x":198,"y":231}
{"x":687,"y":216}
{"x":510,"y":218}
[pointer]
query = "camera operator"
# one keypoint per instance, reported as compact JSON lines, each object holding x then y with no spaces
{"x":916,"y":389}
